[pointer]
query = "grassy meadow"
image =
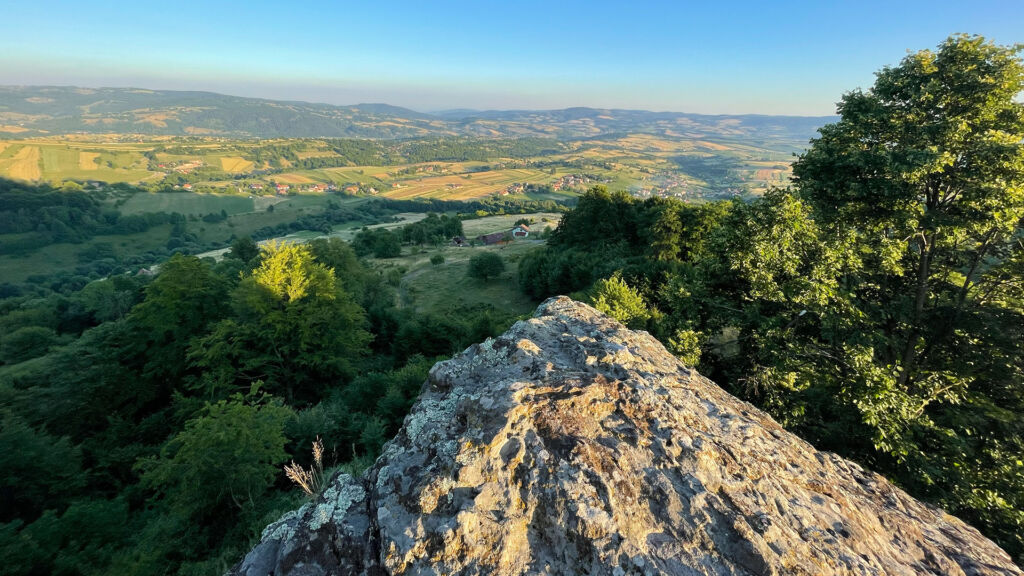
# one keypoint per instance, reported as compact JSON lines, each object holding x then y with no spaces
{"x":446,"y":287}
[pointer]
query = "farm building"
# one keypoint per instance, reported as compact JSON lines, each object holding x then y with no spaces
{"x":494,"y":238}
{"x":521,"y":231}
{"x":460,"y":241}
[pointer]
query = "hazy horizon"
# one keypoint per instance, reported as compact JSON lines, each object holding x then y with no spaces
{"x":745,"y":58}
{"x":432,"y":111}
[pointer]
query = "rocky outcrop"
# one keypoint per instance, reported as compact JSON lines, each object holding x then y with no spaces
{"x":572,"y":445}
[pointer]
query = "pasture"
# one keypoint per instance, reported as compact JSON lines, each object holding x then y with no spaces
{"x":446,"y":288}
{"x":187,"y":203}
{"x":477,"y":226}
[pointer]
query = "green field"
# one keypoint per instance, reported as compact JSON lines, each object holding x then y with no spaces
{"x":478,"y":226}
{"x":445,"y":287}
{"x":426,"y":287}
{"x":187,"y":203}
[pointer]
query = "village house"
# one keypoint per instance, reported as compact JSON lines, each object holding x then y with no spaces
{"x":494,"y":238}
{"x":521,"y":231}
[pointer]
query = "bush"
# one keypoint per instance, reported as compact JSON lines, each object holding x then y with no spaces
{"x":437,"y":259}
{"x":619,"y":300}
{"x":486,"y":265}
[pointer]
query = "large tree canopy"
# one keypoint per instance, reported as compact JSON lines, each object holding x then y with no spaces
{"x":916,"y":195}
{"x":294,"y":327}
{"x":921,"y":185}
{"x":876,"y":307}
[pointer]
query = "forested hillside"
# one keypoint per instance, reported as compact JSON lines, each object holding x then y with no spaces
{"x":38,"y":110}
{"x":146,"y":420}
{"x":876,"y":307}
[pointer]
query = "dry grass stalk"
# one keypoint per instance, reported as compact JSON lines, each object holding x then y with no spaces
{"x":311,"y":481}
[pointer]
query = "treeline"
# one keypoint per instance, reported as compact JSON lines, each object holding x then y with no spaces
{"x":354,"y":152}
{"x":326,"y":220}
{"x":384,"y":243}
{"x":41,"y":215}
{"x":876,"y":308}
{"x":145,"y":420}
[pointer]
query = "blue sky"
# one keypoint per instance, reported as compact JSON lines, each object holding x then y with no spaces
{"x":711,"y":57}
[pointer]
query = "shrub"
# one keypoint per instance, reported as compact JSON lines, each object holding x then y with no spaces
{"x":485,"y":265}
{"x":620,"y":301}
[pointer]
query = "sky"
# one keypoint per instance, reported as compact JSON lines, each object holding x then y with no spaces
{"x":712,"y":57}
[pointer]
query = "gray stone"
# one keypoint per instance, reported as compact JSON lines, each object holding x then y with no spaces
{"x":572,"y":445}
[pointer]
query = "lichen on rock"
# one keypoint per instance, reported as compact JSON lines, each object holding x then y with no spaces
{"x":573,"y":445}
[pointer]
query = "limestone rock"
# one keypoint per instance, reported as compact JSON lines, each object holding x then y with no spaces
{"x":572,"y":445}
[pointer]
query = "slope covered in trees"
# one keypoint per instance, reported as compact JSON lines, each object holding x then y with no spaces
{"x":146,"y":420}
{"x":876,"y":307}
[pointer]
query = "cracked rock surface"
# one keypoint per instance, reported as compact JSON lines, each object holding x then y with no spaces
{"x":573,"y":445}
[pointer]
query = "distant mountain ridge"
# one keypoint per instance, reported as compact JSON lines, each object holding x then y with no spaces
{"x":27,"y":111}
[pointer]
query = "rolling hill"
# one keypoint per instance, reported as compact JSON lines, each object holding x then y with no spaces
{"x":29,"y":111}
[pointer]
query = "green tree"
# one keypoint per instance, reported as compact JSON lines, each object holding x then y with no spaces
{"x":111,"y":298}
{"x":293,"y":327}
{"x":927,"y":170}
{"x":923,"y":176}
{"x":184,"y":298}
{"x":665,"y":229}
{"x":387,"y":245}
{"x":485,"y":265}
{"x":40,"y":471}
{"x":245,"y":249}
{"x":339,"y":256}
{"x":222,"y":461}
{"x":616,"y":298}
